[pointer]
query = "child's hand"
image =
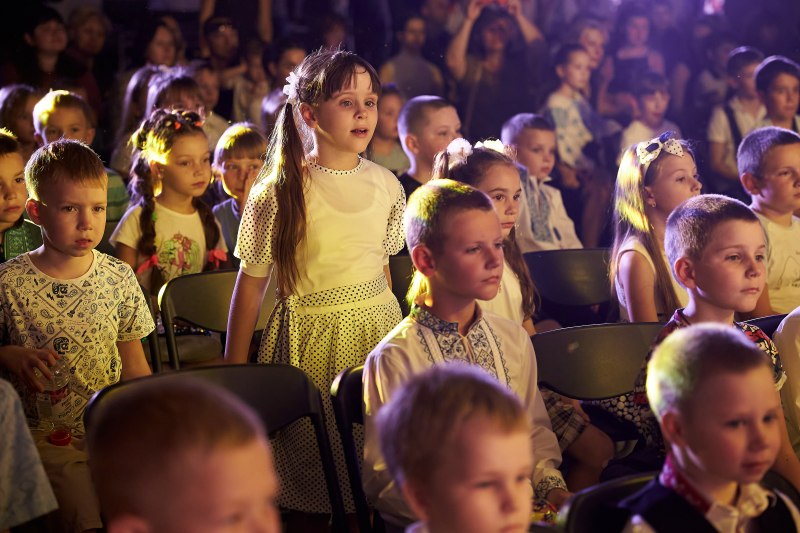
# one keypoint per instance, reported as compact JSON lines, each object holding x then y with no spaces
{"x":23,"y":362}
{"x":558,"y":497}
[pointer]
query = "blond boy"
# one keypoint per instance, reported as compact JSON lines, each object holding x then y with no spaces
{"x":176,"y":454}
{"x":455,"y":241}
{"x":769,"y":169}
{"x":447,"y":431}
{"x":65,"y":299}
{"x":66,"y":115}
{"x":426,"y":126}
{"x":717,"y":250}
{"x":713,"y":394}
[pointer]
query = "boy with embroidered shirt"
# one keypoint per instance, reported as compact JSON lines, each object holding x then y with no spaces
{"x":66,"y":300}
{"x":713,"y":394}
{"x":717,"y":250}
{"x":66,"y":115}
{"x":449,"y":433}
{"x":729,"y":123}
{"x":769,"y":166}
{"x":543,"y":220}
{"x":187,"y":441}
{"x":455,"y":241}
{"x":426,"y":126}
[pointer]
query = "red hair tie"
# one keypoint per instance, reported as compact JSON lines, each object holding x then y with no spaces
{"x":152,"y":261}
{"x":217,"y":256}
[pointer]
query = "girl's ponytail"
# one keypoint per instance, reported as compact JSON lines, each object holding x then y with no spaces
{"x":210,"y":230}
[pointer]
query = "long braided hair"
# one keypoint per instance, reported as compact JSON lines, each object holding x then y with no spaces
{"x":152,"y":141}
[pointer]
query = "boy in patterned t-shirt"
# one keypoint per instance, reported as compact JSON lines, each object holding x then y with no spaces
{"x":65,"y":299}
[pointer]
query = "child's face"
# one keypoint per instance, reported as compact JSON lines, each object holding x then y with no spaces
{"x":654,"y":107}
{"x":577,"y":71}
{"x":731,"y":272}
{"x":778,"y":187}
{"x":13,"y":193}
{"x":236,"y":171}
{"x":23,"y":122}
{"x":442,"y":126}
{"x":675,"y":181}
{"x":388,"y":111}
{"x":595,"y":43}
{"x":187,"y":171}
{"x":346,"y":121}
{"x":501,"y":183}
{"x":286,"y":64}
{"x":188,"y":100}
{"x":484,"y":482}
{"x":412,"y":38}
{"x":67,"y":123}
{"x":637,"y":31}
{"x":730,"y":430}
{"x":745,"y":81}
{"x":72,"y":216}
{"x":782,"y":97}
{"x":470,"y":263}
{"x":209,"y":88}
{"x":230,"y":489}
{"x":90,"y":37}
{"x":536,"y":151}
{"x":50,"y":37}
{"x":161,"y":50}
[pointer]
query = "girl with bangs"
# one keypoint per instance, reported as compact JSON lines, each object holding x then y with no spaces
{"x":324,"y":221}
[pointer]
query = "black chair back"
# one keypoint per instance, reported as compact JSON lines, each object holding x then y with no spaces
{"x":402,"y":270}
{"x":768,"y":324}
{"x":576,"y":277}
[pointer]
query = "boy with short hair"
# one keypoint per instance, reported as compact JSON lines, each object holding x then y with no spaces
{"x":729,"y":123}
{"x":447,"y":429}
{"x":769,"y":166}
{"x":184,"y":441}
{"x":66,"y":115}
{"x":426,"y":126}
{"x":543,"y":220}
{"x":714,"y":397}
{"x":778,"y":85}
{"x":716,"y":248}
{"x":455,"y":241}
{"x":17,"y":234}
{"x":652,"y":96}
{"x":65,"y":299}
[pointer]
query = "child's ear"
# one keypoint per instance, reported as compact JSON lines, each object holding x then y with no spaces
{"x":128,"y":524}
{"x":560,"y":71}
{"x":32,"y":207}
{"x":308,"y":114}
{"x":647,"y":194}
{"x":39,"y":139}
{"x":750,"y":183}
{"x":155,"y":169}
{"x":90,"y":133}
{"x":684,"y":272}
{"x":672,"y":428}
{"x":423,"y":260}
{"x":415,"y":498}
{"x":412,"y":143}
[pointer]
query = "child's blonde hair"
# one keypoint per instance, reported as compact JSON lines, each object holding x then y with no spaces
{"x":687,"y":357}
{"x":140,"y":437}
{"x":62,"y":160}
{"x":417,"y":426}
{"x":630,"y":219}
{"x":153,"y":141}
{"x":320,"y":75}
{"x":691,"y":225}
{"x":242,"y":140}
{"x":60,"y":99}
{"x":428,"y":208}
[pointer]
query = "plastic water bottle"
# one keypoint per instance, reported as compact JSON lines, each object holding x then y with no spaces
{"x":53,"y":404}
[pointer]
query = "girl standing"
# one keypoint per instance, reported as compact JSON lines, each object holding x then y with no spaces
{"x":168,"y":231}
{"x":324,"y":221}
{"x":654,"y":177}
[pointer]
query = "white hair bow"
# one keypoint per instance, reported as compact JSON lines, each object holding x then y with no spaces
{"x":650,"y":150}
{"x":290,"y":89}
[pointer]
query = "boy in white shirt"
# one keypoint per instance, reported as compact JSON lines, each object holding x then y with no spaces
{"x":455,"y":241}
{"x":769,"y":166}
{"x":543,"y":220}
{"x":652,"y":97}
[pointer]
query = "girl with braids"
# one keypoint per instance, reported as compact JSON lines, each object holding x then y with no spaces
{"x":489,"y":167}
{"x":168,"y":231}
{"x":324,"y":221}
{"x":653,"y":178}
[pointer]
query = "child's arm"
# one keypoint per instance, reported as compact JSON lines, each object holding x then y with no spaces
{"x":127,"y":254}
{"x":388,"y":274}
{"x":22,"y":361}
{"x":245,"y":306}
{"x":134,"y":364}
{"x":638,"y":283}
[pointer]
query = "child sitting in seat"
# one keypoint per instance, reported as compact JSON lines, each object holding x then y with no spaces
{"x":457,"y":444}
{"x":713,"y":393}
{"x":17,"y":234}
{"x":182,"y":455}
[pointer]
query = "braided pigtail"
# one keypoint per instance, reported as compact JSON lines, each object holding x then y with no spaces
{"x":210,"y":230}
